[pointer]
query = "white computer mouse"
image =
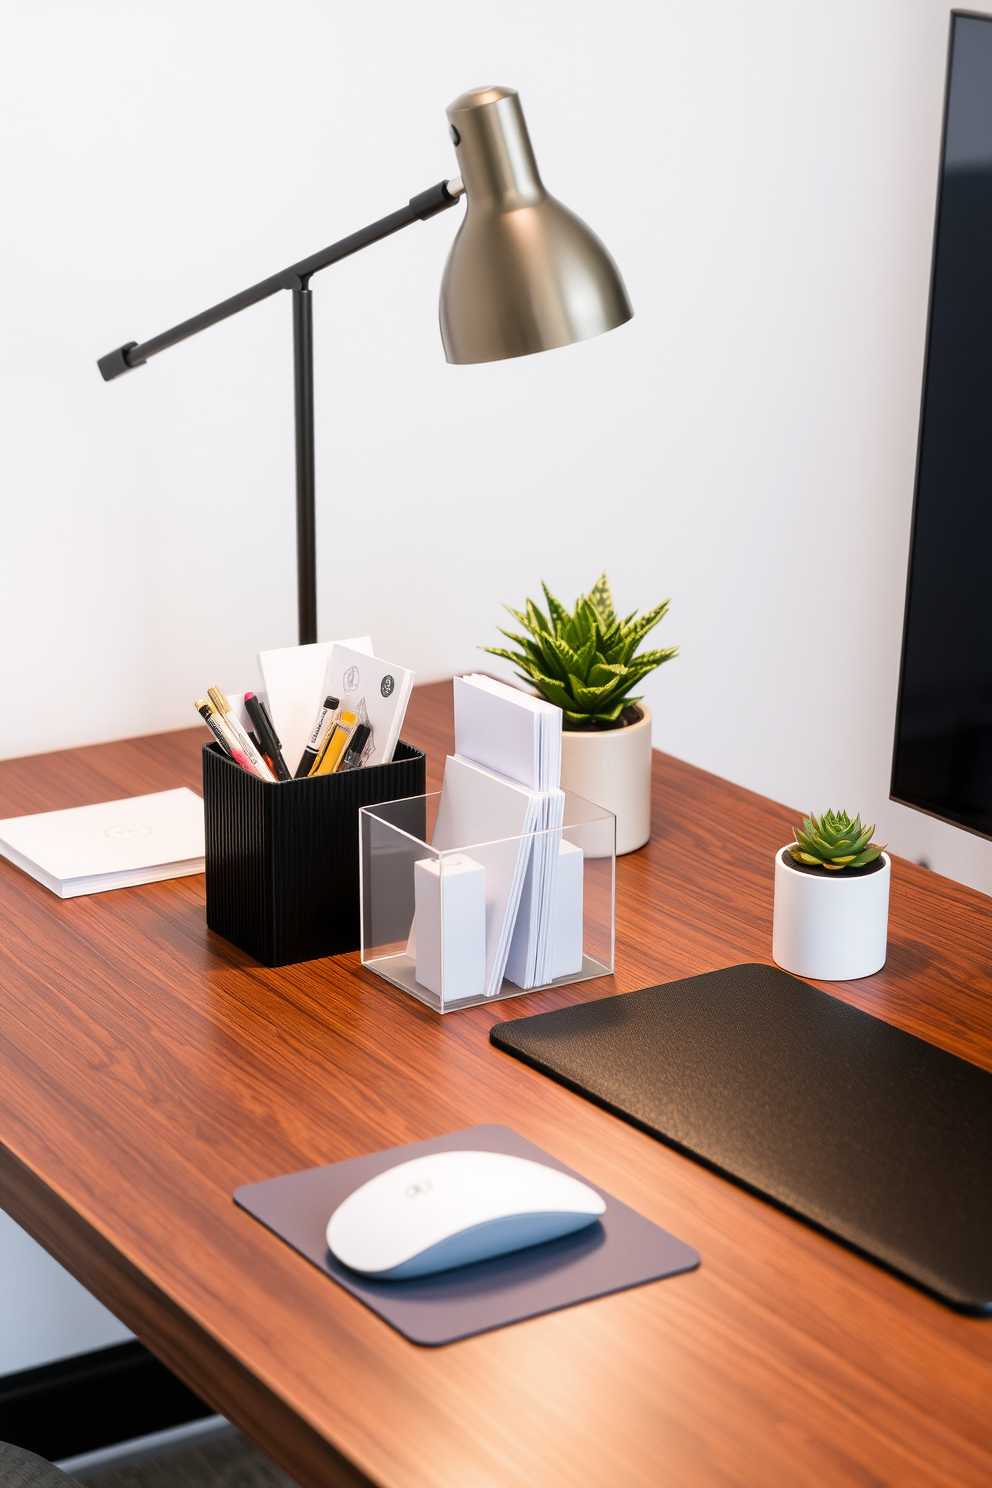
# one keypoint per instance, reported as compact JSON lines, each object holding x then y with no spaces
{"x":452,"y":1208}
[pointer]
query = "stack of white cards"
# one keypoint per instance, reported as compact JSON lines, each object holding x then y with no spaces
{"x":114,"y":845}
{"x":485,"y":812}
{"x":501,"y":788}
{"x":519,"y":736}
{"x":508,"y":731}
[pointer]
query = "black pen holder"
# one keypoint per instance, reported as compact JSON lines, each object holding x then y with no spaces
{"x":282,"y":867}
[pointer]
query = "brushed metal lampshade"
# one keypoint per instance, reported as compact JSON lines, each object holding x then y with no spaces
{"x":524,"y":274}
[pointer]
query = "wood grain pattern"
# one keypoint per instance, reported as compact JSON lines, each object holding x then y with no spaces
{"x":147,"y":1068}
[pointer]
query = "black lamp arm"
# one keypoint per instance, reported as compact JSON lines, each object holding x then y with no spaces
{"x":297,"y":279}
{"x":418,"y":209}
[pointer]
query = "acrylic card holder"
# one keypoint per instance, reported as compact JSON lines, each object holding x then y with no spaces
{"x":282,"y":865}
{"x":459,"y":927}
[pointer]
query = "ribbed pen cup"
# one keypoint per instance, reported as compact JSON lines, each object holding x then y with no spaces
{"x":282,"y":859}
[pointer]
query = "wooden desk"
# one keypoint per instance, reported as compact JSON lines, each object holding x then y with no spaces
{"x":147,"y":1068}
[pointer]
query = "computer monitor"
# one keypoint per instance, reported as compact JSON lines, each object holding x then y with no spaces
{"x":942,"y":761}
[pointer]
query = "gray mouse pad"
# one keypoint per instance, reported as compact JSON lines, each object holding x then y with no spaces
{"x":621,"y":1250}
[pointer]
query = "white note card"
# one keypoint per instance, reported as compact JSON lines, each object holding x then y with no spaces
{"x":113,"y":845}
{"x":382,"y":687}
{"x":293,"y":677}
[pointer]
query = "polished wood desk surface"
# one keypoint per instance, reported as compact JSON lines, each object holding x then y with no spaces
{"x":147,"y":1068}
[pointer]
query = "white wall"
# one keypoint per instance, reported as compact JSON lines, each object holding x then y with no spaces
{"x":765,"y":175}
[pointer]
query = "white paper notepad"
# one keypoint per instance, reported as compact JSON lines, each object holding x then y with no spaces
{"x":508,"y":731}
{"x":114,"y":845}
{"x":383,"y":687}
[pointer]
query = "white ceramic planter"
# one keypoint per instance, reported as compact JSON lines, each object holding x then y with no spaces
{"x":828,"y":926}
{"x":612,"y":768}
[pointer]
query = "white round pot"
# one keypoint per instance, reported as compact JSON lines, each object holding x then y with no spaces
{"x":828,"y":926}
{"x":612,"y":768}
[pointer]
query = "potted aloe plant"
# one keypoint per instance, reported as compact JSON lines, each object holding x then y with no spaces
{"x":831,"y":900}
{"x":587,"y":661}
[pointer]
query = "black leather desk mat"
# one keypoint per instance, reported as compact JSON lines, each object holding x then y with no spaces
{"x":621,"y":1250}
{"x":876,"y":1137}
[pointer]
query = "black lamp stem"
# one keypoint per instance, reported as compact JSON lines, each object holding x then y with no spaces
{"x":297,"y":279}
{"x":306,"y":535}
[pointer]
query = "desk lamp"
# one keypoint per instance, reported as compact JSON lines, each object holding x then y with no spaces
{"x":523,"y":275}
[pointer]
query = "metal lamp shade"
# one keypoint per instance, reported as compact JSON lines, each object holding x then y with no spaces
{"x":524,"y":274}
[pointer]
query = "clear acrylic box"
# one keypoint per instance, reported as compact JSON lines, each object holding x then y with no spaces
{"x":401,"y":873}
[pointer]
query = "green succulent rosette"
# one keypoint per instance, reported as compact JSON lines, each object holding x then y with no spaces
{"x":835,"y":841}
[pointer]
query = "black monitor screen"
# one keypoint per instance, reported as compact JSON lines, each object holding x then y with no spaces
{"x":943,"y":752}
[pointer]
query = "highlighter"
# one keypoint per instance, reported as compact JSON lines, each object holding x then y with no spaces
{"x":333,"y":748}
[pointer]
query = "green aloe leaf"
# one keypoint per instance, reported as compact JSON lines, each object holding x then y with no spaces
{"x":584,"y":659}
{"x":537,"y":623}
{"x":583,"y":625}
{"x":526,"y":641}
{"x":604,"y":675}
{"x":556,"y":609}
{"x":601,"y":597}
{"x":561,"y":658}
{"x":517,"y":615}
{"x":529,"y":647}
{"x":590,"y":698}
{"x":648,"y":622}
{"x":514,"y":656}
{"x":555,"y":692}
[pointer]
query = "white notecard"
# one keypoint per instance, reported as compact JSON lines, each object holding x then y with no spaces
{"x":293,"y":677}
{"x":356,"y":677}
{"x":115,"y":844}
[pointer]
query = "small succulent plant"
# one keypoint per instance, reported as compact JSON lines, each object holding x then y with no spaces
{"x":584,"y":661}
{"x":835,"y":841}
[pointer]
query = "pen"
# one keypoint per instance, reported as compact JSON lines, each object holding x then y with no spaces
{"x":259,"y":767}
{"x":352,"y":757}
{"x":270,"y":750}
{"x":224,"y":737}
{"x":326,"y":719}
{"x":334,"y":745}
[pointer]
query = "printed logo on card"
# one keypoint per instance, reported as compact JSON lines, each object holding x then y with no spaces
{"x":386,"y":686}
{"x":351,"y":679}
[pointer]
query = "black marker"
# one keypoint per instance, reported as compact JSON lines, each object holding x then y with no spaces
{"x":353,"y":754}
{"x":267,"y":737}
